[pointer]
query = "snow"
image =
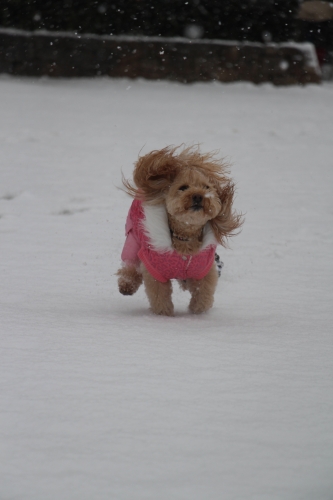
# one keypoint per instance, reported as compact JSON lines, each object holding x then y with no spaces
{"x":100,"y":398}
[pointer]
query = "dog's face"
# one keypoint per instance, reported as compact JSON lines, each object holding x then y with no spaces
{"x":194,"y":187}
{"x":192,"y":198}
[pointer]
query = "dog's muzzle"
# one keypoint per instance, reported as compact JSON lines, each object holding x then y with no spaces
{"x":197,"y":202}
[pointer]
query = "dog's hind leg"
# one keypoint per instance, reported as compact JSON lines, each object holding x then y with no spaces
{"x":158,"y":293}
{"x":202,"y":291}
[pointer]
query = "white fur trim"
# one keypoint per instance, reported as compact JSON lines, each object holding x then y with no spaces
{"x":156,"y":228}
{"x":208,"y":236}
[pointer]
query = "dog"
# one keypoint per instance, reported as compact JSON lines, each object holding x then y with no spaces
{"x":182,"y":210}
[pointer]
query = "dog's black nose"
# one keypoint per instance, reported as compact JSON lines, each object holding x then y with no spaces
{"x":197,"y":199}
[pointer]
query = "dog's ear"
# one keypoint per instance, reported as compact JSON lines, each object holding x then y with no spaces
{"x":226,"y":223}
{"x":154,"y":173}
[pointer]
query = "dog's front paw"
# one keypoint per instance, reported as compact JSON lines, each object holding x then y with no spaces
{"x":129,"y":280}
{"x":126,"y":288}
{"x":199,"y":306}
{"x":163,"y":310}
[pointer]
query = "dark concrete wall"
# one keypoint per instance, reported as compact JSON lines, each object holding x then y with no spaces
{"x":68,"y":55}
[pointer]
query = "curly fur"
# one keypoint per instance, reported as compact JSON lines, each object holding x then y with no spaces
{"x":156,"y":171}
{"x":195,"y":189}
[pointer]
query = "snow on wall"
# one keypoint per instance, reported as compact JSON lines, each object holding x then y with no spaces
{"x":65,"y":54}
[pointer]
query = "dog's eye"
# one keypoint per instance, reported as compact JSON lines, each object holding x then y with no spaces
{"x":183,"y":188}
{"x":206,"y":187}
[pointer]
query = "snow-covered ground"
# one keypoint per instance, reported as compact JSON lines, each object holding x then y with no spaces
{"x":99,"y":398}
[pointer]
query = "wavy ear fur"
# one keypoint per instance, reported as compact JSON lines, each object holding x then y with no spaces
{"x":156,"y":171}
{"x":227,"y":222}
{"x":153,"y":174}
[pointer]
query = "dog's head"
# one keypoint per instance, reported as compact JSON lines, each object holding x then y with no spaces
{"x":194,"y":187}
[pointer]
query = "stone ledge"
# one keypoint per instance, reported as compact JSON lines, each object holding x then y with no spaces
{"x":60,"y":54}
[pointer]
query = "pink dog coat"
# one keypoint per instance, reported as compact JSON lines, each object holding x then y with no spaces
{"x":148,"y":240}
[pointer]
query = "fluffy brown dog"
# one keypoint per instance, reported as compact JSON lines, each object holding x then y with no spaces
{"x":182,"y":209}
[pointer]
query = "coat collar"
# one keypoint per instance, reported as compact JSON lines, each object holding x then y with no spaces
{"x":156,"y":228}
